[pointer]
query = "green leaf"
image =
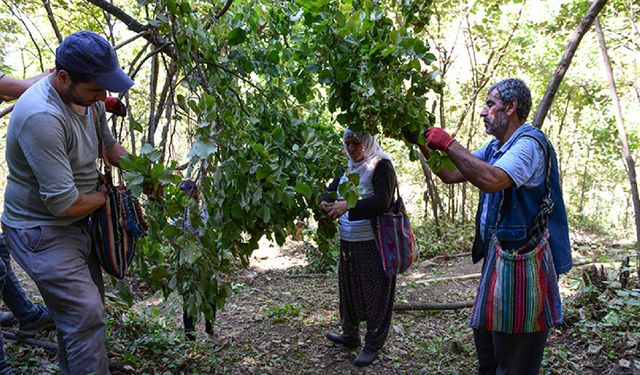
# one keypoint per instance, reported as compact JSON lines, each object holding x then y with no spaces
{"x":202,"y":149}
{"x":343,"y":119}
{"x":134,"y":178}
{"x":313,"y":68}
{"x":273,"y":56}
{"x":352,"y":198}
{"x":237,"y":36}
{"x":259,"y":148}
{"x":325,"y":77}
{"x":185,"y":7}
{"x":150,"y":152}
{"x":303,"y":189}
{"x":171,"y":5}
{"x":447,"y":162}
{"x":135,"y":125}
{"x":265,"y":213}
{"x":354,"y":178}
{"x":124,"y":292}
{"x":263,"y":172}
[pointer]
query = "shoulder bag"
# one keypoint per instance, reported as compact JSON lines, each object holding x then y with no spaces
{"x":394,"y":238}
{"x":119,"y":223}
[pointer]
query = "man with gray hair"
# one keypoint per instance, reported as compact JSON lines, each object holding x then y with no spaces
{"x":521,"y":218}
{"x":52,"y":188}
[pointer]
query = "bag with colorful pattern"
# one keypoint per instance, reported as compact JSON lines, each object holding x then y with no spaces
{"x":394,"y":239}
{"x":118,"y":224}
{"x":518,"y":293}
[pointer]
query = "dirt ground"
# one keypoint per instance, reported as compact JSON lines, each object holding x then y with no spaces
{"x":275,"y":322}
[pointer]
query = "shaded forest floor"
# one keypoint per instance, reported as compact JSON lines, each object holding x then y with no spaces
{"x":275,"y":321}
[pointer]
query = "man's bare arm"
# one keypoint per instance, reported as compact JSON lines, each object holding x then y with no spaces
{"x":85,"y":204}
{"x":481,"y":174}
{"x":115,"y":153}
{"x":11,"y":88}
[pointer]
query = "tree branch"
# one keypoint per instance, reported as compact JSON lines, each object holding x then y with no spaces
{"x":52,"y":19}
{"x":135,"y":25}
{"x":224,"y":9}
{"x":565,"y":61}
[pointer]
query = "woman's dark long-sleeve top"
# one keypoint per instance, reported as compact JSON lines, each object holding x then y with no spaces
{"x":384,"y":183}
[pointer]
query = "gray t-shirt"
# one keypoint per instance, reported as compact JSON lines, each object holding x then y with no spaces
{"x":51,"y":154}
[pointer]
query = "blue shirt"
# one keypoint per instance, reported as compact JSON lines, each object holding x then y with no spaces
{"x":523,"y":161}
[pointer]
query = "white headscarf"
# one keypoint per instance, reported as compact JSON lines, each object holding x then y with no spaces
{"x":372,"y":155}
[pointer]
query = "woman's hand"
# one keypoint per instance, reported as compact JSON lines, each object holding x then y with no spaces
{"x":337,"y":209}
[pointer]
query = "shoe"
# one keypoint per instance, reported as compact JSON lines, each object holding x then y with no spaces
{"x":7,"y":319}
{"x":366,"y":357}
{"x":341,"y":339}
{"x":42,"y":322}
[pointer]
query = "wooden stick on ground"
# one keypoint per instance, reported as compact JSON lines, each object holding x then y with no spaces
{"x":52,"y":346}
{"x":432,"y":306}
{"x":449,"y":278}
{"x":449,"y":256}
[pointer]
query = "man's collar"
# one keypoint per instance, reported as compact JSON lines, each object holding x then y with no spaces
{"x":497,"y":148}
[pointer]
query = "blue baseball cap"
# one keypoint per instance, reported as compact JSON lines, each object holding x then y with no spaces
{"x":88,"y":53}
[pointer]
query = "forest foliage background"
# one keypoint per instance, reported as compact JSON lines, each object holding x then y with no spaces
{"x":250,"y":97}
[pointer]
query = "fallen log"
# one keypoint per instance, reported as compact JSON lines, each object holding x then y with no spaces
{"x":52,"y":346}
{"x":432,"y":306}
{"x":309,"y":275}
{"x":449,"y":278}
{"x":449,"y":256}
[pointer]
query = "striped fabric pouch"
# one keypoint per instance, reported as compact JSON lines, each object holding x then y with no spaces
{"x":518,"y":292}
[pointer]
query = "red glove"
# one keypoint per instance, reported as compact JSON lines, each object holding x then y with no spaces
{"x":439,"y":139}
{"x":114,"y":105}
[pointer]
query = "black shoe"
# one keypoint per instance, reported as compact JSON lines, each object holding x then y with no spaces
{"x":349,"y":342}
{"x":43,"y":322}
{"x":7,"y":319}
{"x":366,"y":357}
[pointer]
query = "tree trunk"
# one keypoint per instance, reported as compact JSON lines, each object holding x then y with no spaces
{"x":583,"y":184}
{"x":622,"y":133}
{"x":432,"y":191}
{"x":153,"y":87}
{"x":565,"y":61}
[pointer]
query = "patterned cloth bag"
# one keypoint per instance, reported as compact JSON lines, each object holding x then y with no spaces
{"x":518,"y":291}
{"x":394,"y":238}
{"x":118,"y":224}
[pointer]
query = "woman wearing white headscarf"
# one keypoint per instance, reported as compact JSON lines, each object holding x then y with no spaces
{"x":366,"y":293}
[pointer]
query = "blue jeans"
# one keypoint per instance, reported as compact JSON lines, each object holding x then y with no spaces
{"x":61,"y":262}
{"x":13,"y":295}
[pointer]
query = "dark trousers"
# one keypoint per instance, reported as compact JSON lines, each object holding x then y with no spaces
{"x":509,"y":354}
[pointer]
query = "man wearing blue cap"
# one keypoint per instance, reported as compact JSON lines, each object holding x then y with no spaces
{"x":52,"y":188}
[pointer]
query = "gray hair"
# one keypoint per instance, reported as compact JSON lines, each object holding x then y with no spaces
{"x":515,"y":89}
